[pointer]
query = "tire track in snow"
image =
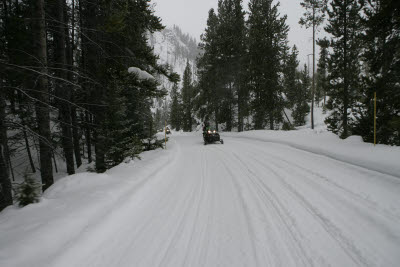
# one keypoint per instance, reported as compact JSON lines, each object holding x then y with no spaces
{"x":347,"y":245}
{"x":197,"y":213}
{"x":363,"y":201}
{"x":187,"y":203}
{"x":266,"y":195}
{"x":269,"y":197}
{"x":246,"y":212}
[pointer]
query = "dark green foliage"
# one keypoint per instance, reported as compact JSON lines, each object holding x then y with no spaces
{"x":286,"y":126}
{"x":344,"y":64}
{"x":208,"y":101}
{"x":381,"y":53}
{"x":322,"y":80}
{"x":314,"y":14}
{"x":302,"y":97}
{"x":267,"y":47}
{"x":223,"y":90}
{"x":27,"y":192}
{"x":80,"y":79}
{"x":126,"y":122}
{"x":187,"y":99}
{"x":290,"y":81}
{"x":176,"y":115}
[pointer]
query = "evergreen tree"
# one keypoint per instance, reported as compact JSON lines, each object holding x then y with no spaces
{"x":62,"y":90}
{"x":240,"y":63}
{"x":231,"y":60}
{"x":290,"y":81}
{"x":208,"y":104}
{"x":5,"y":183}
{"x":176,"y":108}
{"x":322,"y":81}
{"x":344,"y":66}
{"x":381,"y":55}
{"x":302,"y":96}
{"x":313,"y":17}
{"x":27,"y":192}
{"x":187,"y":98}
{"x":267,"y":46}
{"x":42,"y":106}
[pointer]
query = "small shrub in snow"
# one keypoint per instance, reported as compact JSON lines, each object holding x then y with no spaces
{"x":27,"y":192}
{"x":287,"y":126}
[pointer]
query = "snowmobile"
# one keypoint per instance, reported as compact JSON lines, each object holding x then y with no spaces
{"x":210,"y":136}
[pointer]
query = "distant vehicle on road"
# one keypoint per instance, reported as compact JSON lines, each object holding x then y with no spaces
{"x":167,"y":131}
{"x":211,"y":136}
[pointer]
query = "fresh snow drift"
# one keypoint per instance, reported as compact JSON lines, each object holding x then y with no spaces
{"x":245,"y":203}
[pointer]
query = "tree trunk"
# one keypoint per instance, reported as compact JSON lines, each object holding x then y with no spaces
{"x":54,"y":161}
{"x":88,"y":137}
{"x":28,"y":150}
{"x":70,"y":61}
{"x":5,"y":183}
{"x":91,"y":66}
{"x":216,"y":120}
{"x":313,"y":75}
{"x":41,"y":106}
{"x":345,"y":91}
{"x":63,"y":91}
{"x":85,"y":89}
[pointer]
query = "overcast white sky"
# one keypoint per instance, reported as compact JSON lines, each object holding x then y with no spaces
{"x":191,"y":17}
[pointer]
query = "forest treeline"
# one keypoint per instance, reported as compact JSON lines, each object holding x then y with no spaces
{"x":248,"y":76}
{"x":65,"y":90}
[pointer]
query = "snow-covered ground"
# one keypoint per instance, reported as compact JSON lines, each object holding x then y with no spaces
{"x":261,"y":199}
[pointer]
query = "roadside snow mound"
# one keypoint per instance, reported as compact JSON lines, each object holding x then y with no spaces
{"x":42,"y":231}
{"x":380,"y":158}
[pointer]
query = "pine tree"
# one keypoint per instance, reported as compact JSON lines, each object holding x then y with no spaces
{"x":5,"y":183}
{"x":187,"y":98}
{"x":62,"y":90}
{"x":344,"y":66}
{"x":313,"y":17}
{"x":73,"y":57}
{"x":27,"y":192}
{"x":176,"y":108}
{"x":381,"y":55}
{"x":240,"y":63}
{"x":290,"y":81}
{"x":322,"y":81}
{"x":267,"y":46}
{"x":302,"y":96}
{"x":208,"y":104}
{"x":230,"y":62}
{"x":42,"y":107}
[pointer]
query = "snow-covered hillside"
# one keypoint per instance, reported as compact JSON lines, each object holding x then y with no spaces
{"x":174,"y":48}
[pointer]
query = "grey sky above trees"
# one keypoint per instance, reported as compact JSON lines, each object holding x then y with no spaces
{"x":191,"y":17}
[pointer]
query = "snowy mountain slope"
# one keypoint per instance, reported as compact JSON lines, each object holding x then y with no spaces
{"x":174,"y":48}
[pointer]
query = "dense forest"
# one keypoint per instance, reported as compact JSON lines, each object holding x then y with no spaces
{"x":65,"y":89}
{"x":249,"y":77}
{"x":66,"y":92}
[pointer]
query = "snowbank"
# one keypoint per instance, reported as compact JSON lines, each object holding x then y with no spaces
{"x":380,"y":158}
{"x":42,"y":231}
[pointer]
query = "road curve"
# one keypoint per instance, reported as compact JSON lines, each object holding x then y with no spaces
{"x":248,"y":203}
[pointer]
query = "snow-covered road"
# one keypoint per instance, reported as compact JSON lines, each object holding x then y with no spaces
{"x":246,"y":203}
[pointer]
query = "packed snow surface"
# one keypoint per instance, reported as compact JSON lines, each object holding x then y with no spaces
{"x":261,"y":199}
